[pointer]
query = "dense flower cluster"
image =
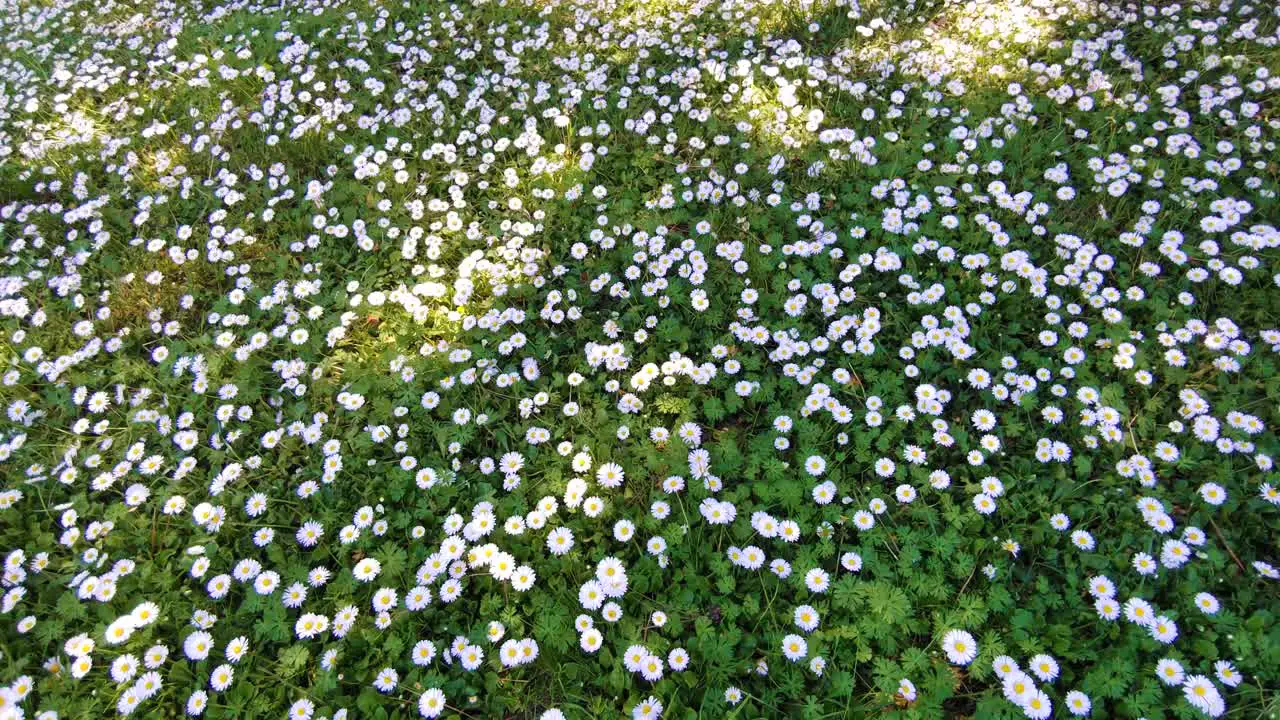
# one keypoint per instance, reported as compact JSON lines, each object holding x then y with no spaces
{"x":577,"y":358}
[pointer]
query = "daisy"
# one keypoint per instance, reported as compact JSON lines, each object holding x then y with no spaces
{"x":1044,"y":667}
{"x":1038,"y":706}
{"x":1170,"y":672}
{"x":794,"y":648}
{"x":386,"y":680}
{"x":806,"y":618}
{"x":960,"y":647}
{"x":648,"y":709}
{"x":431,"y":703}
{"x":221,"y":678}
{"x":1203,"y":696}
{"x":815,"y":465}
{"x":560,"y":541}
{"x":1018,"y":687}
{"x":1078,"y":703}
{"x":817,"y":580}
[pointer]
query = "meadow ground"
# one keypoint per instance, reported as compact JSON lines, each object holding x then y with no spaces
{"x":639,"y":358}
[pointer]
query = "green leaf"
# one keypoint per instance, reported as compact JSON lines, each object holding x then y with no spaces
{"x":294,"y":659}
{"x":70,"y":608}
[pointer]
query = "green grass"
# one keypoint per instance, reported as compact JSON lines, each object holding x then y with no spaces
{"x":496,"y":194}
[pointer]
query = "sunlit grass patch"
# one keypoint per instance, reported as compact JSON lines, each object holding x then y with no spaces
{"x":975,"y":43}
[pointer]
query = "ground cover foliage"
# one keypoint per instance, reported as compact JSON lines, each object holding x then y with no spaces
{"x":605,"y":358}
